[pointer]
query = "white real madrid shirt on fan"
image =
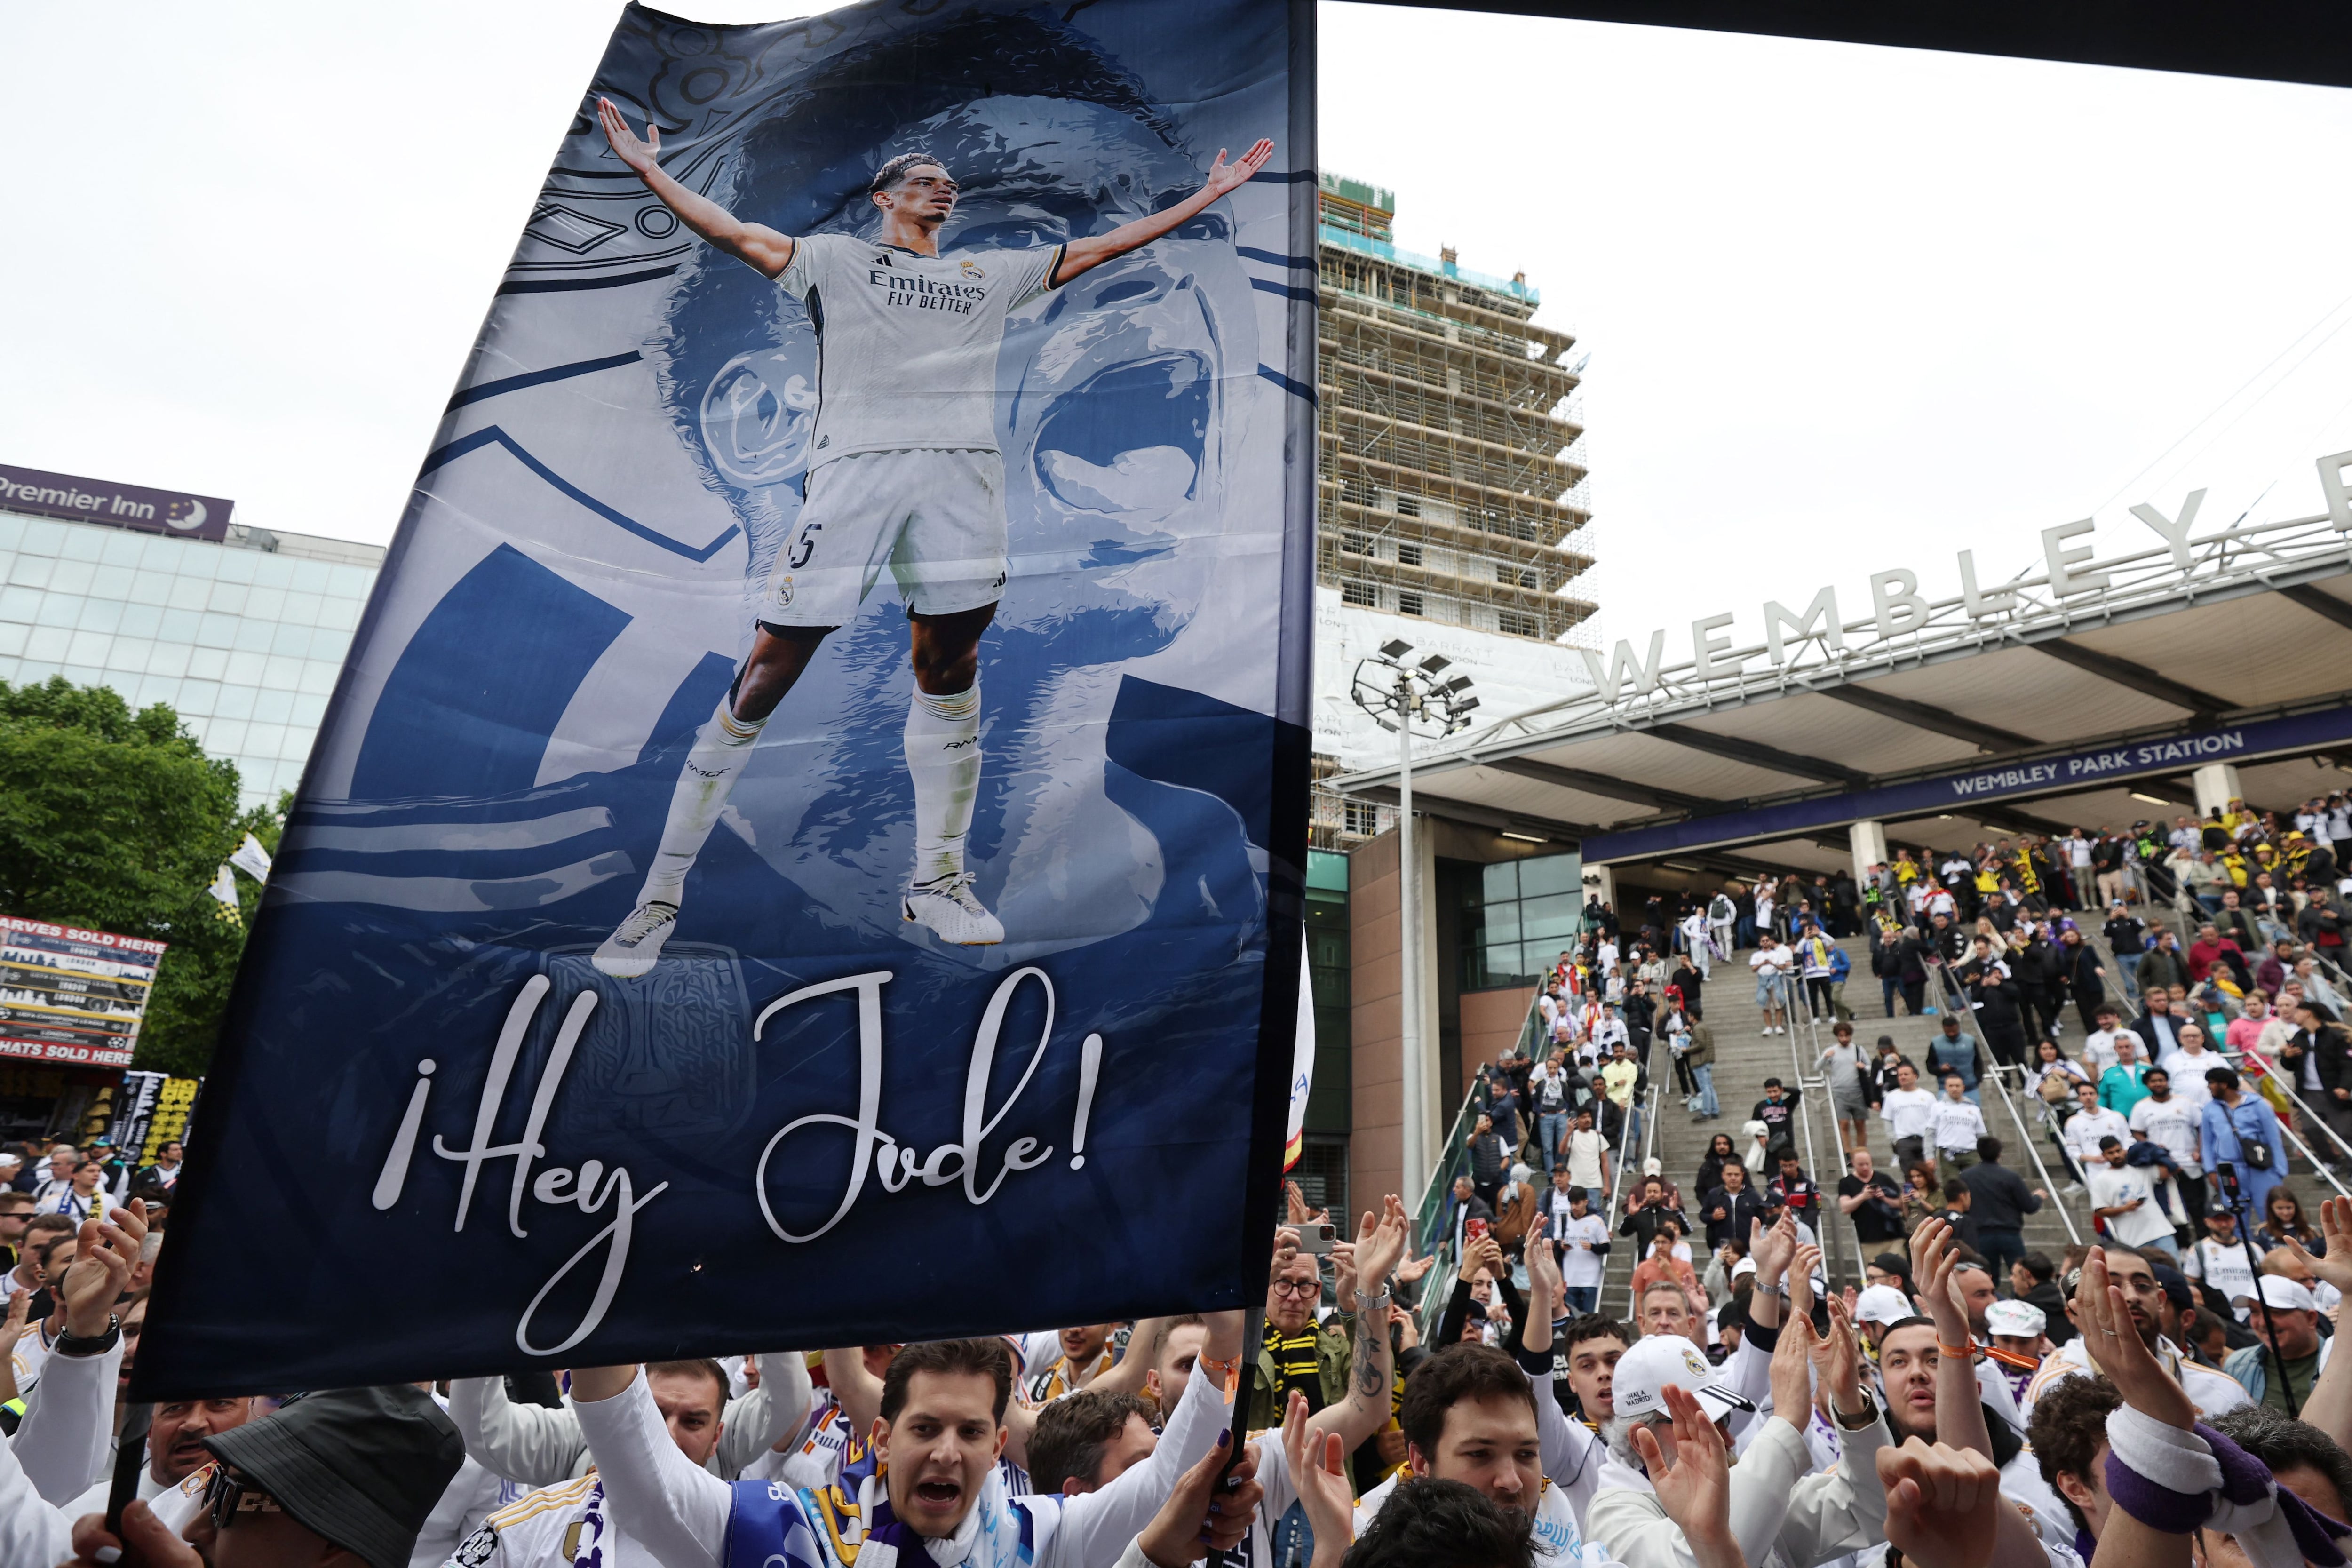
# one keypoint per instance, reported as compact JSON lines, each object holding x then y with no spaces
{"x":682,"y":1516}
{"x":2222,"y":1265}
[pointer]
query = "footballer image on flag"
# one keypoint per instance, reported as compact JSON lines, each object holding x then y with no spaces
{"x":826,"y":755}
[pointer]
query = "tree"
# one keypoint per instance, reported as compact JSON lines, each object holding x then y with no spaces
{"x":118,"y":821}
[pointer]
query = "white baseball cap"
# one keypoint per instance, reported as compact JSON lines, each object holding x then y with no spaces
{"x":1882,"y":1304}
{"x":2278,"y":1291}
{"x":1656,"y":1360}
{"x":2020,"y":1319}
{"x":1744,"y":1266}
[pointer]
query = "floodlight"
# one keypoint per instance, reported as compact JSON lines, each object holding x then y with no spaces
{"x":1396,"y":647}
{"x":1435,"y":663}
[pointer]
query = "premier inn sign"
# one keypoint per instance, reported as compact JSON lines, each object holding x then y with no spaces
{"x":115,"y":505}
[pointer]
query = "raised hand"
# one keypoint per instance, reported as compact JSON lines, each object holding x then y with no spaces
{"x":1839,"y":1358}
{"x":1792,"y":1372}
{"x":2335,"y":1267}
{"x":1695,"y":1489}
{"x":1343,"y":1273}
{"x":1772,"y":1249}
{"x":1543,"y":1268}
{"x":107,"y":1252}
{"x":1942,"y":1503}
{"x":1224,"y":176}
{"x":1381,"y":1243}
{"x":1934,"y":1263}
{"x":1802,"y":1266}
{"x":12,"y":1326}
{"x":1200,"y":1515}
{"x":2116,"y":1344}
{"x":1327,"y":1495}
{"x":1412,"y":1269}
{"x":146,"y":1542}
{"x":637,"y":153}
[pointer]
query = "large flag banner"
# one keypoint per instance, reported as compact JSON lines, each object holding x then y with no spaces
{"x":806,"y":848}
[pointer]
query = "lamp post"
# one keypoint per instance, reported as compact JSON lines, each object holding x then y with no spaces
{"x":1412,"y":698}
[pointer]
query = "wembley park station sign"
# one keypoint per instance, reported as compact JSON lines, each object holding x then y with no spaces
{"x":1955,"y":793}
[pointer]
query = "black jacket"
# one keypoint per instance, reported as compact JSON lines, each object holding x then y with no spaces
{"x":1490,"y":1159}
{"x":1998,"y":1197}
{"x":2079,"y":967}
{"x":2334,"y":1049}
{"x":1739,"y":1213}
{"x":1642,"y":1225}
{"x":1779,"y":1120}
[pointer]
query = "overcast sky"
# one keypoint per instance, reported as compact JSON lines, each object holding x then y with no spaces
{"x":1848,"y":308}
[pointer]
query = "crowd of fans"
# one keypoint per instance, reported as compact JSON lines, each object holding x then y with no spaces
{"x":2163,"y":1395}
{"x":1938,"y":1415}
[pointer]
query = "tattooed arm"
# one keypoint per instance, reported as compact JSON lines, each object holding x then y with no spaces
{"x":1371,"y":1370}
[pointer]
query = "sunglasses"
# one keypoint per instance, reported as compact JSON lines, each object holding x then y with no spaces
{"x":227,"y":1497}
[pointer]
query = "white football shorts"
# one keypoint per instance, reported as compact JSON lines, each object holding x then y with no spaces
{"x":935,"y":517}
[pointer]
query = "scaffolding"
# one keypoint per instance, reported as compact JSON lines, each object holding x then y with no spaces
{"x":1450,"y":476}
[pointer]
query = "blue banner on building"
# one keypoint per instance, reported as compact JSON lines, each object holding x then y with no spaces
{"x":806,"y":846}
{"x":2009,"y":780}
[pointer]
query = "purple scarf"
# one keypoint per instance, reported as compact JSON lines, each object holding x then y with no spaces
{"x":2245,"y":1481}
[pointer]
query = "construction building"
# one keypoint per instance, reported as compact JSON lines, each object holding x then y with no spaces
{"x":1448,"y":482}
{"x":1451,"y":481}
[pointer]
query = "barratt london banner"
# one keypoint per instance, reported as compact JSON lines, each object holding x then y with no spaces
{"x":813,"y":817}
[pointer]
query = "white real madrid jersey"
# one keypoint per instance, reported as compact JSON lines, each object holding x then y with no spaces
{"x":907,"y":344}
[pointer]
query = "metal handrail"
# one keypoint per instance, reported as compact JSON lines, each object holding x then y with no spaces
{"x":1438,"y":1284}
{"x":1648,"y":1141}
{"x":1817,"y":1081}
{"x":1949,"y":992}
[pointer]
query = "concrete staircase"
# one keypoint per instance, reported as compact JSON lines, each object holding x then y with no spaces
{"x":1745,"y":1058}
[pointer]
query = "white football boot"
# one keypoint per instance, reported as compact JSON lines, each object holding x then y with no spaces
{"x":635,"y":946}
{"x":952,"y":910}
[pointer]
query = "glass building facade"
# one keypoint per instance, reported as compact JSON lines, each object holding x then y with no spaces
{"x":244,"y":638}
{"x":1518,"y":918}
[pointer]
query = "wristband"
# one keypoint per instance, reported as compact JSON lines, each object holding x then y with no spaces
{"x":73,"y":1344}
{"x":1856,"y":1423}
{"x":1961,"y":1352}
{"x":1228,"y":1372}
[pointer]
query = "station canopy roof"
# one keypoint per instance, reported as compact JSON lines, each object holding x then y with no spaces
{"x":2030,"y":706}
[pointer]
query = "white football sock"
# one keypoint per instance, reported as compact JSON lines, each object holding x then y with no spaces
{"x":943,"y":758}
{"x":721,"y":749}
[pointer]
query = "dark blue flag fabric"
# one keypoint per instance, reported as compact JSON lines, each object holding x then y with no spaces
{"x":805,"y":849}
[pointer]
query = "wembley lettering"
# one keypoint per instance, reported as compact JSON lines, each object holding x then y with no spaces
{"x":2006,"y":779}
